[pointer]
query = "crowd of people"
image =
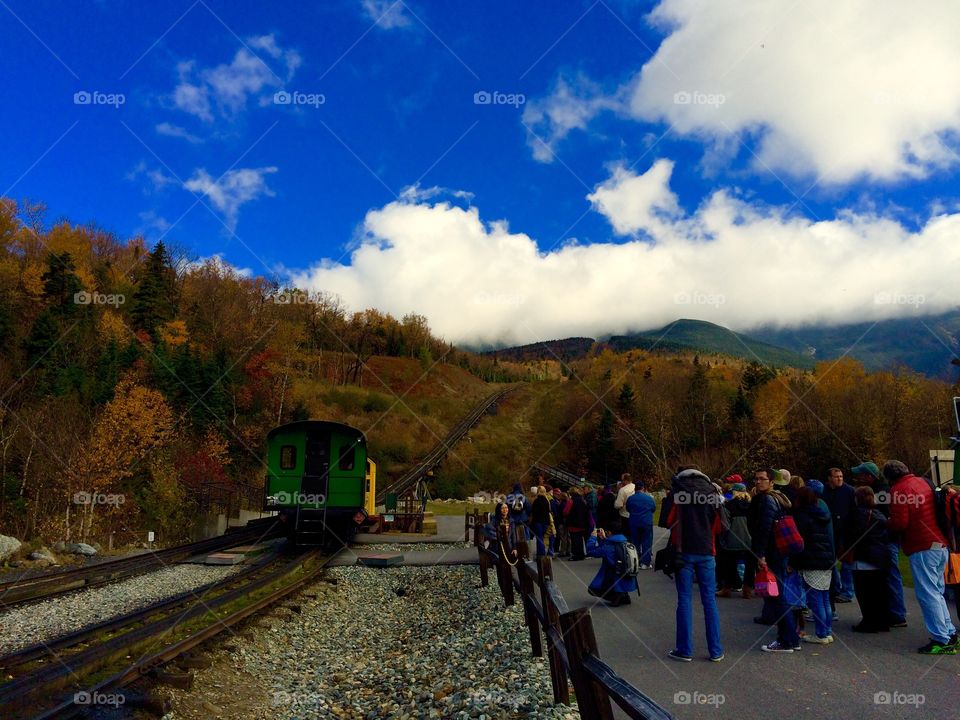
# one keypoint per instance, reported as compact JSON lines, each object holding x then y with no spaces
{"x":804,"y":546}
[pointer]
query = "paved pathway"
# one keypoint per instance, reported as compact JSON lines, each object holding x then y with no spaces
{"x":834,"y":681}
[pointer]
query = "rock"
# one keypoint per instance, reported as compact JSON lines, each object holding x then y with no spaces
{"x":79,"y":549}
{"x":42,"y":555}
{"x":8,"y":546}
{"x":60,"y":546}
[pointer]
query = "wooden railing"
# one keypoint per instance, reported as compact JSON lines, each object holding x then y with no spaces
{"x":571,"y":645}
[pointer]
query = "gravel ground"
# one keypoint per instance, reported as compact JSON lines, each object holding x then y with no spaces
{"x":57,"y":616}
{"x":406,"y":547}
{"x":446,"y":648}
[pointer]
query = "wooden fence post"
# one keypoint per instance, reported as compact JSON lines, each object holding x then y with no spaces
{"x":551,"y":616}
{"x":526,"y":594}
{"x":579,"y":639}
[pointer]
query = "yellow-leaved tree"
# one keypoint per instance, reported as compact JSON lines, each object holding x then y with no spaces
{"x":134,"y":425}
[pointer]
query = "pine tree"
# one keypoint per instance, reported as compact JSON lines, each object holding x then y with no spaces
{"x":61,"y":284}
{"x":154,"y":301}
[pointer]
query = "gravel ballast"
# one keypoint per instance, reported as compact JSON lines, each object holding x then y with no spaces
{"x":38,"y":622}
{"x":402,"y":643}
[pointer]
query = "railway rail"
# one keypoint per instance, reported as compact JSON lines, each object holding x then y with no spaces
{"x":96,"y":662}
{"x":40,"y":587}
{"x":440,"y":450}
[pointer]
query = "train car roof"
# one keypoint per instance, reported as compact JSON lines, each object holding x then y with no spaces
{"x":304,"y":425}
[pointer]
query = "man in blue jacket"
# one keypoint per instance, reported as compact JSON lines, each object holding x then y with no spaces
{"x":641,"y":507}
{"x":607,"y":584}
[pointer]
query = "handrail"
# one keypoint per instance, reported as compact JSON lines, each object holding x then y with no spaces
{"x":571,"y":645}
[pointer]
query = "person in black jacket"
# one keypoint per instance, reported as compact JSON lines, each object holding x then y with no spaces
{"x":815,"y":562}
{"x":767,"y":506}
{"x":695,"y":522}
{"x":870,"y":560}
{"x":868,"y":474}
{"x":540,"y":518}
{"x":608,"y":517}
{"x":839,"y":497}
{"x":734,"y":545}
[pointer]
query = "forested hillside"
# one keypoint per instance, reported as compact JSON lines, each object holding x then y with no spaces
{"x":148,"y":379}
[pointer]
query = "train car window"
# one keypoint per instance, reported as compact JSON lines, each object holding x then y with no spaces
{"x":288,"y":457}
{"x":348,"y":458}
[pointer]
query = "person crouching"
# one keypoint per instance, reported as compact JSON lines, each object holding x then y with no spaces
{"x":607,"y":584}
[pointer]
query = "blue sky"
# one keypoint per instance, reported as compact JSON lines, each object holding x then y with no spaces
{"x":649,"y":160}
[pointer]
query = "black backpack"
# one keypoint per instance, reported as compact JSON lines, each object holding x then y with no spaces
{"x":946,"y":514}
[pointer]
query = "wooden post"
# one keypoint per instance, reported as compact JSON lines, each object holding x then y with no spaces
{"x":579,"y":639}
{"x":526,"y":594}
{"x":558,"y":673}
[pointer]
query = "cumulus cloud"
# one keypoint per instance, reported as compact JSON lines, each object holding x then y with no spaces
{"x":387,"y":14}
{"x":571,"y":106}
{"x":840,"y":91}
{"x":224,"y":90}
{"x":480,"y":282}
{"x":176,"y":131}
{"x":232,"y":190}
{"x":637,"y":203}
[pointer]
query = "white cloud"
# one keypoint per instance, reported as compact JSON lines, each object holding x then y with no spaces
{"x":634,"y":203}
{"x":233,"y":190}
{"x":834,"y":90}
{"x":387,"y":14}
{"x":155,"y":176}
{"x":571,"y":106}
{"x":225,"y":89}
{"x":217,"y":264}
{"x":480,"y":282}
{"x":152,"y":225}
{"x":176,"y":131}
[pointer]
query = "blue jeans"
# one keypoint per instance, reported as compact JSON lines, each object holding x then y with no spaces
{"x":841,"y":584}
{"x":539,"y":529}
{"x":705,"y":567}
{"x":898,"y":610}
{"x":643,"y":539}
{"x":819,"y":603}
{"x":782,"y":610}
{"x":927,"y":567}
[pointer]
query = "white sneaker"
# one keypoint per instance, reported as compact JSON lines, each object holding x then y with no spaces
{"x":646,"y":567}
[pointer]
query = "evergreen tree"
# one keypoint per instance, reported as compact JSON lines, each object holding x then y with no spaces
{"x":61,"y":284}
{"x":154,"y":301}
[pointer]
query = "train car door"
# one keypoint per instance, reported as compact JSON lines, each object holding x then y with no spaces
{"x":316,"y":471}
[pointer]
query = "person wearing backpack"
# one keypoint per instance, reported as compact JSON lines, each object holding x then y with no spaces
{"x":766,"y":509}
{"x":641,"y":506}
{"x":913,"y":514}
{"x":734,"y":544}
{"x":619,"y":562}
{"x":519,"y":510}
{"x":696,"y":521}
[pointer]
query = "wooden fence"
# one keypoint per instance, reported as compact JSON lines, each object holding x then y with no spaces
{"x":571,"y":645}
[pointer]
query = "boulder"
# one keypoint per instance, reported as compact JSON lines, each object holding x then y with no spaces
{"x":60,"y":546}
{"x":42,"y":555}
{"x":79,"y":549}
{"x":8,"y":546}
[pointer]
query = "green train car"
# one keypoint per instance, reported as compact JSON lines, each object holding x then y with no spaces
{"x":318,"y":480}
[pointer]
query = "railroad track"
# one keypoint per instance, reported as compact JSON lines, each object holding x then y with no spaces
{"x":440,"y":450}
{"x":39,"y":587}
{"x":64,"y":677}
{"x":559,"y":475}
